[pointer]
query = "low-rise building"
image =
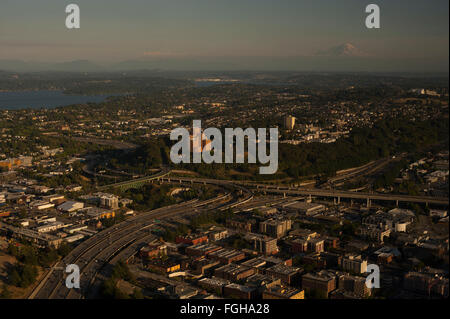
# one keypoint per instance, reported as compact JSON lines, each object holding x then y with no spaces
{"x":289,"y":275}
{"x":213,"y":284}
{"x":153,"y":251}
{"x":306,"y":208}
{"x":234,"y":272}
{"x":237,"y":291}
{"x":70,"y":206}
{"x":354,"y":284}
{"x":426,"y":284}
{"x":193,"y":239}
{"x":322,"y":282}
{"x":375,"y":232}
{"x":201,"y":249}
{"x":217,"y":234}
{"x":164,"y":266}
{"x":283,"y":292}
{"x":226,"y":256}
{"x":49,"y":227}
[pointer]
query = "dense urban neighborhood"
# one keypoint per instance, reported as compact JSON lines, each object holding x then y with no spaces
{"x":362,"y":181}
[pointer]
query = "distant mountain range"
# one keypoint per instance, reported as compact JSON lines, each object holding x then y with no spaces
{"x":341,"y":58}
{"x":70,"y":66}
{"x":343,"y":50}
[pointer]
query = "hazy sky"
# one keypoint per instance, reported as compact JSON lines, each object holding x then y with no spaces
{"x":114,"y":30}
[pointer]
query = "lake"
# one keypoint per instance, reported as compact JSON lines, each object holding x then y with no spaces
{"x":44,"y":99}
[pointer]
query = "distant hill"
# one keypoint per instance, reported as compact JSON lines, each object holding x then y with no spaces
{"x":342,"y":58}
{"x":70,"y":66}
{"x":343,"y":50}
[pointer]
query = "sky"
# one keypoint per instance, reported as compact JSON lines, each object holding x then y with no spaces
{"x":117,"y":30}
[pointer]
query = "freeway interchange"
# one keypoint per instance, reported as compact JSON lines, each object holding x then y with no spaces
{"x":98,"y":253}
{"x":121,"y":240}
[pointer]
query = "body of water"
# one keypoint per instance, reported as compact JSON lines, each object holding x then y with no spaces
{"x":44,"y":99}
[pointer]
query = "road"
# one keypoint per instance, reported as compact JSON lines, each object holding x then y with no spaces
{"x":96,"y":252}
{"x":121,"y":240}
{"x":287,"y":190}
{"x":92,"y":253}
{"x":358,"y":172}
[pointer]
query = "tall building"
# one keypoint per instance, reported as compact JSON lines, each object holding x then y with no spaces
{"x":354,"y":264}
{"x":275,"y":227}
{"x":110,"y":201}
{"x":263,"y":244}
{"x":289,"y":122}
{"x":106,"y":200}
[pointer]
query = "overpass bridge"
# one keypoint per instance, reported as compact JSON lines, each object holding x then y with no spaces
{"x":135,"y":183}
{"x":337,"y":194}
{"x":285,"y":190}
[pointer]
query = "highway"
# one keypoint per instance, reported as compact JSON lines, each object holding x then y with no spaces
{"x":96,"y":252}
{"x":123,"y":239}
{"x":91,"y":254}
{"x":99,"y":253}
{"x":357,"y":172}
{"x":288,"y":190}
{"x":443,"y":201}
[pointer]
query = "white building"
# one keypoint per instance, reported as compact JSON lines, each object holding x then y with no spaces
{"x":70,"y":206}
{"x":71,"y":239}
{"x":41,"y":205}
{"x":107,"y":200}
{"x":49,"y":227}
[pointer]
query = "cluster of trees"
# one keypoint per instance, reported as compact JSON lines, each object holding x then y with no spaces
{"x":5,"y":293}
{"x":30,"y":255}
{"x":364,"y":144}
{"x":109,"y":288}
{"x":239,"y":242}
{"x":170,"y":235}
{"x":29,"y":258}
{"x":150,"y":196}
{"x":385,"y":138}
{"x":23,"y":275}
{"x":206,"y":218}
{"x":151,"y":154}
